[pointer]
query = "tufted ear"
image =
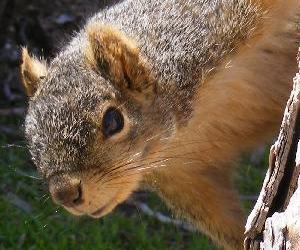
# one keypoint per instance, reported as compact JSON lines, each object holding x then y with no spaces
{"x":32,"y":72}
{"x":117,"y":58}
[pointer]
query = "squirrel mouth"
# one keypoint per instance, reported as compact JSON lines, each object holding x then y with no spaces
{"x":99,"y":212}
{"x":102,"y":210}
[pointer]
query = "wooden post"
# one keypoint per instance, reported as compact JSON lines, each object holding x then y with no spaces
{"x":274,"y":223}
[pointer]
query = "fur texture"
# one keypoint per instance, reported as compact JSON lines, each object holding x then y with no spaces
{"x":197,"y":83}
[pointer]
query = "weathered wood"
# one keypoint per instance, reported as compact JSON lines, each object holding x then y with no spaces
{"x":274,"y":223}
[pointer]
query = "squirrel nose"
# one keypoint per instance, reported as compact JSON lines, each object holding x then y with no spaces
{"x":66,"y":192}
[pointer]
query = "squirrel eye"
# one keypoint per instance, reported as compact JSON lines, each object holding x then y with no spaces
{"x":113,"y":122}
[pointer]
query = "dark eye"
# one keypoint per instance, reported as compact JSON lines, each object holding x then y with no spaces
{"x":112,"y":122}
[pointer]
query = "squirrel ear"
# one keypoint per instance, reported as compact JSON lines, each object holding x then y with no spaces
{"x":117,"y":58}
{"x":32,"y":71}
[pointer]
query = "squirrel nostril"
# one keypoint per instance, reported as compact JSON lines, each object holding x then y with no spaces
{"x":66,"y":193}
{"x":78,"y":200}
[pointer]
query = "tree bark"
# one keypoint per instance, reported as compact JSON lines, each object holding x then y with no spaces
{"x":274,"y":223}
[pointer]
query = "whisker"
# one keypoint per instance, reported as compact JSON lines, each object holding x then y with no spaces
{"x":111,"y":173}
{"x":157,"y":135}
{"x":136,"y":168}
{"x":115,"y":168}
{"x":12,"y":145}
{"x":21,"y":173}
{"x":117,"y":161}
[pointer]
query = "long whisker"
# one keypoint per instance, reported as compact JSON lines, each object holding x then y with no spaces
{"x":109,"y":171}
{"x":137,"y":169}
{"x":181,"y":156}
{"x":12,"y":145}
{"x":120,"y":159}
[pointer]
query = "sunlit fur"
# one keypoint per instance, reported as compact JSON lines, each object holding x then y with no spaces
{"x":198,"y":83}
{"x":32,"y":71}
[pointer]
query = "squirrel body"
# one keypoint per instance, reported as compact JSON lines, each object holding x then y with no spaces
{"x":162,"y":94}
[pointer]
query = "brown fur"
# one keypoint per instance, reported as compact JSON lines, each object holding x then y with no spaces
{"x":232,"y":105}
{"x":249,"y":90}
{"x":117,"y":56}
{"x":32,"y":71}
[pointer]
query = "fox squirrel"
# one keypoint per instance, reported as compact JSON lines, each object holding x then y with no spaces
{"x":164,"y":94}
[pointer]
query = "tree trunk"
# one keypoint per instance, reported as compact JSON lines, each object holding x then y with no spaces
{"x":274,"y":223}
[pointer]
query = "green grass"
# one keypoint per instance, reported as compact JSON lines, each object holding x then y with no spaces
{"x":47,"y":226}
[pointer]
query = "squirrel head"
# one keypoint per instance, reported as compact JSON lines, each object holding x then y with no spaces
{"x":93,"y":119}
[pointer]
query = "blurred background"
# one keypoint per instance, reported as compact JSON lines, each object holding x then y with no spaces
{"x":28,"y":218}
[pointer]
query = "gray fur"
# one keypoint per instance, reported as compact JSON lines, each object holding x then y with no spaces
{"x":181,"y":40}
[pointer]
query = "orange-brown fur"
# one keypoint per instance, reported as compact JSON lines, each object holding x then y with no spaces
{"x":32,"y":71}
{"x":237,"y":106}
{"x":222,"y":128}
{"x":120,"y":55}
